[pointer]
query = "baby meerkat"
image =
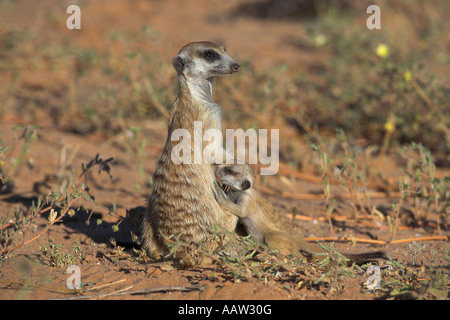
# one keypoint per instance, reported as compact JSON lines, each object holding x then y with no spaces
{"x":263,"y":221}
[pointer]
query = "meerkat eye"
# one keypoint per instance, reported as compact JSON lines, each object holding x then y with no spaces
{"x":245,"y":185}
{"x":210,"y":55}
{"x":228,"y":170}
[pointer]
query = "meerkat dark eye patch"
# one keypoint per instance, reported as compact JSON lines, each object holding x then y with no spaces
{"x":245,"y":185}
{"x":228,"y":170}
{"x":210,"y":55}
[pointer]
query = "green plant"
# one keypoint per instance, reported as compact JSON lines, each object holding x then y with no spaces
{"x":329,"y":205}
{"x":404,"y":280}
{"x":28,"y":134}
{"x":335,"y":266}
{"x":351,"y":179}
{"x":14,"y":234}
{"x":136,"y":142}
{"x":387,"y":96}
{"x":427,"y":188}
{"x":249,"y":260}
{"x":60,"y":258}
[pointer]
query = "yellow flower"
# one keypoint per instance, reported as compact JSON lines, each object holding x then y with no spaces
{"x":389,"y":126}
{"x":407,"y":76}
{"x":320,"y":40}
{"x":382,"y":51}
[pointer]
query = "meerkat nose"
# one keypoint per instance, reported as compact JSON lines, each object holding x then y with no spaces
{"x":235,"y":67}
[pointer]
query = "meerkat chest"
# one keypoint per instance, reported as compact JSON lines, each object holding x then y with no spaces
{"x":210,"y":116}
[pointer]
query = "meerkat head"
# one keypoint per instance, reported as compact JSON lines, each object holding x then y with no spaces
{"x":204,"y":60}
{"x":235,"y":177}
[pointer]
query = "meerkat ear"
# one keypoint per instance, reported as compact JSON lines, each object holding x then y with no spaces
{"x":178,"y":64}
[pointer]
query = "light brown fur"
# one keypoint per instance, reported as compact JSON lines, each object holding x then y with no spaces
{"x":263,"y":221}
{"x":183,"y":199}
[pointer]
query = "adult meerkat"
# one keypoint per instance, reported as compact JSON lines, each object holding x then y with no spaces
{"x":183,"y":200}
{"x":263,"y":221}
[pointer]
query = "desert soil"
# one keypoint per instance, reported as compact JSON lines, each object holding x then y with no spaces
{"x":26,"y":273}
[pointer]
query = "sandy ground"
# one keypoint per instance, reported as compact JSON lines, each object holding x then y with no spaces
{"x":26,"y":273}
